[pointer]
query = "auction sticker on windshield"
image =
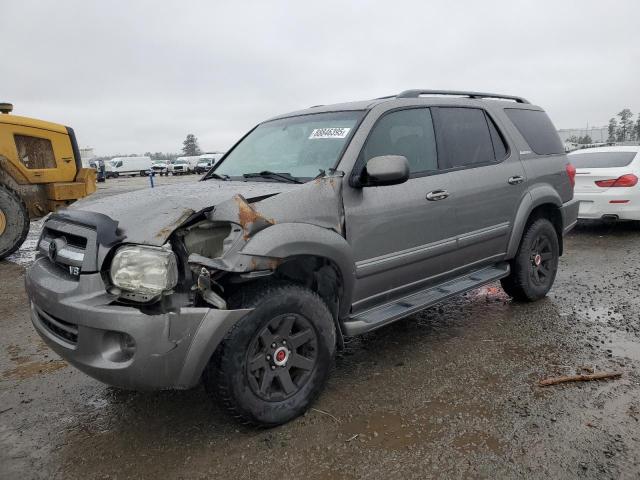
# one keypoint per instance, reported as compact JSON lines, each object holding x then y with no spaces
{"x":336,"y":132}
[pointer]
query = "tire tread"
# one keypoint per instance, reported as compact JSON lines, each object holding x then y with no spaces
{"x":216,"y":382}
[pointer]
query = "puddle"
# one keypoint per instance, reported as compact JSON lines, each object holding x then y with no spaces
{"x":385,"y":430}
{"x":427,"y":425}
{"x":623,"y":346}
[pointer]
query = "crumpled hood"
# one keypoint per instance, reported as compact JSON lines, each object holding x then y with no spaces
{"x":150,"y":215}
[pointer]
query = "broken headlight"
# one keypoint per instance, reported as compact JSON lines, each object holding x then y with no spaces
{"x":145,"y":271}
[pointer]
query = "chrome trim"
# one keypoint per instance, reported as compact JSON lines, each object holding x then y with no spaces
{"x":68,"y":255}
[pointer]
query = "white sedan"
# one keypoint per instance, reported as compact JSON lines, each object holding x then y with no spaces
{"x":607,"y":182}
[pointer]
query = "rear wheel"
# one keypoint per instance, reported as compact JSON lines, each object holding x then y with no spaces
{"x":275,"y":361}
{"x":534,"y":268}
{"x":14,"y":221}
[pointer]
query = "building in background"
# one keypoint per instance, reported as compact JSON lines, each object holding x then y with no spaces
{"x":87,"y":155}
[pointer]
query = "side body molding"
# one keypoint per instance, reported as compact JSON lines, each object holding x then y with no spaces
{"x":290,"y":239}
{"x":538,"y":195}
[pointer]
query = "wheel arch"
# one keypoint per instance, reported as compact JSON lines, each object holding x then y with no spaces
{"x":298,"y":244}
{"x":541,"y":202}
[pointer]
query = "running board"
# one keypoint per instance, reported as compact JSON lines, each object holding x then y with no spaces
{"x":403,"y":307}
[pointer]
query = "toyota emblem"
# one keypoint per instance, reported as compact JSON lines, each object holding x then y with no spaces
{"x":55,"y":246}
{"x":53,"y":251}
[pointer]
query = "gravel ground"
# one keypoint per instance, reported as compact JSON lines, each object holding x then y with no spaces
{"x":448,"y":393}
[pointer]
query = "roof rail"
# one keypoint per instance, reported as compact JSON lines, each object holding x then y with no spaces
{"x":478,"y":95}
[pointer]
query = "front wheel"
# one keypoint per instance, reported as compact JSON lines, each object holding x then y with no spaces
{"x":275,"y":361}
{"x":14,"y":221}
{"x":534,"y":268}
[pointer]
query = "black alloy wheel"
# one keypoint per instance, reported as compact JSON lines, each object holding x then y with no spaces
{"x":282,"y":357}
{"x":534,"y":268}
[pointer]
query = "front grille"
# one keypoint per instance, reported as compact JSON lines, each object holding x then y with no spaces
{"x":65,"y":331}
{"x":63,"y":248}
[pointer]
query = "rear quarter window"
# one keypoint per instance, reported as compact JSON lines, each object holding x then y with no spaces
{"x":537,"y":130}
{"x":602,"y":159}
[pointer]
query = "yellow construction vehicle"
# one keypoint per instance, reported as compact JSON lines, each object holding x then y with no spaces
{"x":40,"y":172}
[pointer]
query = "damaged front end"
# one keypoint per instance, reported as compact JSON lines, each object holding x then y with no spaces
{"x":141,"y":297}
{"x":215,"y":257}
{"x":214,"y":241}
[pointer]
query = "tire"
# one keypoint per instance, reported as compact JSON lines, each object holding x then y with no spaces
{"x":143,"y":173}
{"x":534,"y":268}
{"x":15,"y":219}
{"x":275,"y":361}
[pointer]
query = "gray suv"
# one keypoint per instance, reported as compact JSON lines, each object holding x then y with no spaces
{"x":319,"y":224}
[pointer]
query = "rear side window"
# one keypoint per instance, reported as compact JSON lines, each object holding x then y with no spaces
{"x":499,"y":145}
{"x":465,"y":137}
{"x":34,"y":152}
{"x":602,"y":159}
{"x":408,"y":133}
{"x":537,"y":130}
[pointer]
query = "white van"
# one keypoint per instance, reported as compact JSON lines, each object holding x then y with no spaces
{"x":208,"y":160}
{"x":192,"y":161}
{"x":131,"y":165}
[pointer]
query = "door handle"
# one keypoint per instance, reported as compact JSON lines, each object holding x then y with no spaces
{"x":515,"y":180}
{"x":437,"y":195}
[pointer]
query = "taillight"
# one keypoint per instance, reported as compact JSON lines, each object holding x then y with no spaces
{"x":628,"y":180}
{"x":571,"y":171}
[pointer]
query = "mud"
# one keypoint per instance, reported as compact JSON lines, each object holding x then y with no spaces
{"x":449,"y":393}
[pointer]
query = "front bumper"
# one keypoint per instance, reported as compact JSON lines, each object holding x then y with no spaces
{"x":78,"y":320}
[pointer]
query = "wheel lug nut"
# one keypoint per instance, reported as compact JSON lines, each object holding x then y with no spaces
{"x":273,"y":345}
{"x":268,"y":357}
{"x":284,"y":342}
{"x":273,"y":367}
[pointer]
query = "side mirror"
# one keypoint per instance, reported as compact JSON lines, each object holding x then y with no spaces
{"x":385,"y":170}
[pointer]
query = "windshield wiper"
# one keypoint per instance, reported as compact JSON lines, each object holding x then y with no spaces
{"x":216,"y":176}
{"x":287,"y":177}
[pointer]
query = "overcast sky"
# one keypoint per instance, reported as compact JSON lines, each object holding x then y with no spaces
{"x":137,"y":76}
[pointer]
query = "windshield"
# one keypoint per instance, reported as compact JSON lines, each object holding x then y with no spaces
{"x":602,"y":159}
{"x":300,"y":146}
{"x":181,"y":162}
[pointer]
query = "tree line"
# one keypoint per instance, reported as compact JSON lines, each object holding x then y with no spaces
{"x":190,"y":148}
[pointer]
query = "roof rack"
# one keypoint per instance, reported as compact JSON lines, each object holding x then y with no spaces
{"x":478,"y":95}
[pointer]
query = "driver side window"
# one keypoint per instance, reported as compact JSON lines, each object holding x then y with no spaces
{"x":408,"y":133}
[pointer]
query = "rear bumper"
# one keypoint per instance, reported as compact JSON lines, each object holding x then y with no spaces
{"x":569,"y":213}
{"x":596,"y":206}
{"x":78,"y":320}
{"x":84,"y":185}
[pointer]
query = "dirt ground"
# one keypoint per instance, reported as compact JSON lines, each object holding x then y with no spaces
{"x":448,"y":393}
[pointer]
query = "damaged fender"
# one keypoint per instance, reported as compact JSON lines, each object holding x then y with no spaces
{"x":293,"y":239}
{"x":306,"y":220}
